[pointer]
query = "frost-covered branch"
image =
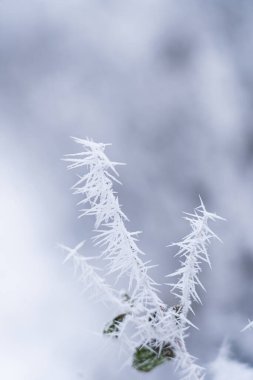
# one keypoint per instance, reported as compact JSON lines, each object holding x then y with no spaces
{"x":99,"y":199}
{"x":192,"y":252}
{"x":89,"y":277}
{"x":119,"y":246}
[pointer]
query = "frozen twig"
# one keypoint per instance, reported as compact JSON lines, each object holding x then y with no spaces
{"x":89,"y":277}
{"x":193,"y":251}
{"x":119,"y":246}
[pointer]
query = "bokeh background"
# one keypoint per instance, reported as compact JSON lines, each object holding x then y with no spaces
{"x":170,"y":85}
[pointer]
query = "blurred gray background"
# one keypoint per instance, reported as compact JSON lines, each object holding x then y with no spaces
{"x":170,"y":85}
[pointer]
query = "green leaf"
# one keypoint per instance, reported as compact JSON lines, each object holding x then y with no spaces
{"x":113,"y":327}
{"x":146,"y":358}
